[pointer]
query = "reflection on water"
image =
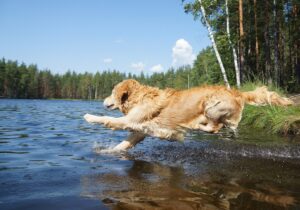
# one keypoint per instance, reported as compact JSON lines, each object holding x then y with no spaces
{"x":48,"y":161}
{"x":211,"y":184}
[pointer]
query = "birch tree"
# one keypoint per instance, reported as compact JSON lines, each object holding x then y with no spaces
{"x":212,"y":39}
{"x":235,"y":59}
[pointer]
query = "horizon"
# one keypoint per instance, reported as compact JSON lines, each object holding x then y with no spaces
{"x":94,"y":36}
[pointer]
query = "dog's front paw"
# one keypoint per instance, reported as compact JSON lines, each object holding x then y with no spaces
{"x":89,"y":118}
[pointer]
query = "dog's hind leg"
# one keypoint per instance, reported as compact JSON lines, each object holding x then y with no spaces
{"x":133,"y":139}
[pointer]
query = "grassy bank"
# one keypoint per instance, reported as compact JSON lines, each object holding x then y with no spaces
{"x":272,"y":119}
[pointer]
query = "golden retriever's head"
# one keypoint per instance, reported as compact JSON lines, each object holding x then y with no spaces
{"x":121,"y":95}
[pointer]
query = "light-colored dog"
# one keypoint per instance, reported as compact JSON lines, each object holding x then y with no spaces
{"x":168,"y":113}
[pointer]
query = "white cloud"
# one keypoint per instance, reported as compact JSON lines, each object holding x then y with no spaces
{"x":157,"y":68}
{"x":139,"y":66}
{"x":182,"y":53}
{"x":107,"y":60}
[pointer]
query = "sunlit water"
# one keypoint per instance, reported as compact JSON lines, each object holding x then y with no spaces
{"x":50,"y":158}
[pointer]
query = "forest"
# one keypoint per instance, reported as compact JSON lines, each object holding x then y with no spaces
{"x":256,"y":40}
{"x":251,"y":41}
{"x":22,"y":81}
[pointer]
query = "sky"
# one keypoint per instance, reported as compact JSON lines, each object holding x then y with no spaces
{"x":96,"y":35}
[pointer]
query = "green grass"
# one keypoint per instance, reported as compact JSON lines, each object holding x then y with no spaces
{"x":272,"y":119}
{"x":248,"y":86}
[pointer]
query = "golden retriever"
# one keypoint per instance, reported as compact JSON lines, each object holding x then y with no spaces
{"x":168,"y":113}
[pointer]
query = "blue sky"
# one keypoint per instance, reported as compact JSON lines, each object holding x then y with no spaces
{"x":96,"y":35}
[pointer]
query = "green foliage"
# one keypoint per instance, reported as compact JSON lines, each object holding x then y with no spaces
{"x":21,"y":81}
{"x":248,"y":86}
{"x":206,"y":68}
{"x":273,"y":119}
{"x":270,"y":38}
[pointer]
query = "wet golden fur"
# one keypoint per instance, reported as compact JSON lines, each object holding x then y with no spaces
{"x":168,"y":113}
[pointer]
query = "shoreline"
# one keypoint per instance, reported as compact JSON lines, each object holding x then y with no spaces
{"x":283,"y":121}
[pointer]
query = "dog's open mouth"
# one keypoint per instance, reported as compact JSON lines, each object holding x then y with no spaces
{"x":111,"y":106}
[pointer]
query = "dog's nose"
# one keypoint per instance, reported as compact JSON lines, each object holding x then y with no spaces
{"x":108,"y":103}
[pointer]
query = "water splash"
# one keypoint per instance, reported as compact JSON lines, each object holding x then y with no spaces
{"x":102,"y":148}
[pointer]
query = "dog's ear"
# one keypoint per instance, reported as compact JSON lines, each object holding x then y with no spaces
{"x":125,"y":89}
{"x":122,"y":93}
{"x":124,"y":97}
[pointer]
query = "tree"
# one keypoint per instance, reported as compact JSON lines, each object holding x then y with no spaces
{"x":24,"y":81}
{"x":237,"y":69}
{"x":2,"y":76}
{"x":241,"y":41}
{"x":276,"y":42}
{"x":256,"y":36}
{"x":214,"y":44}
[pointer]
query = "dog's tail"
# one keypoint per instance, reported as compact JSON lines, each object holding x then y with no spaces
{"x":261,"y":96}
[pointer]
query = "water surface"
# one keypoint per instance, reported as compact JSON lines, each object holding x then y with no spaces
{"x":49,"y":159}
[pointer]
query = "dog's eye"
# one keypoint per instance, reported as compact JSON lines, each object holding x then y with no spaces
{"x":124,"y":98}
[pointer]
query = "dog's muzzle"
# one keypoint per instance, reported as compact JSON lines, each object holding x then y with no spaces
{"x":108,"y":103}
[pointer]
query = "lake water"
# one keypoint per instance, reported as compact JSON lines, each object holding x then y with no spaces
{"x":50,"y":158}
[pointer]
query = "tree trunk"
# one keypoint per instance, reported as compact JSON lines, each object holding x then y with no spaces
{"x":268,"y":76}
{"x":241,"y":40}
{"x":205,"y":68}
{"x":96,"y":91}
{"x":256,"y":38}
{"x":90,"y":92}
{"x":236,"y":66}
{"x":276,"y":69}
{"x":214,"y":45}
{"x":296,"y":40}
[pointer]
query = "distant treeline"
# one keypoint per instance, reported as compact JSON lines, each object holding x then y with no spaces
{"x":27,"y":81}
{"x":22,"y":81}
